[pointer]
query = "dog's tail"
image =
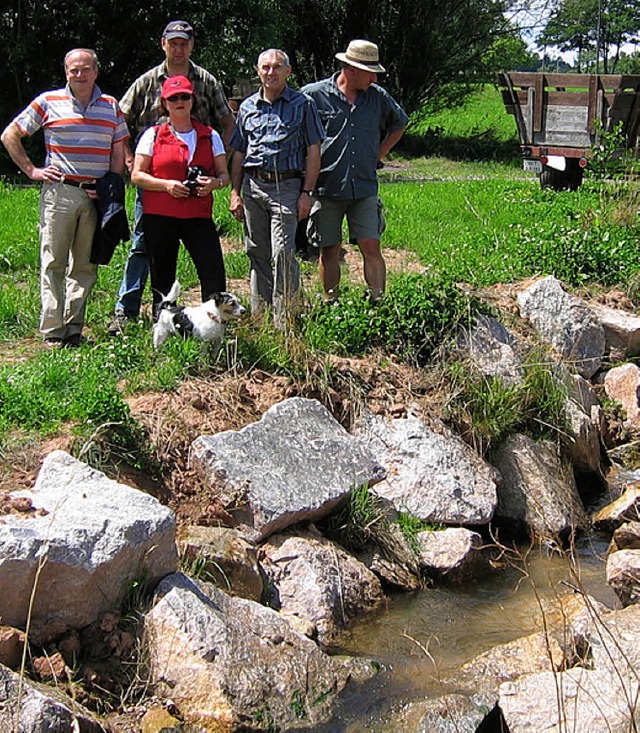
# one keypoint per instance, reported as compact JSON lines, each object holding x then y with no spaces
{"x":172,"y":296}
{"x":164,"y":327}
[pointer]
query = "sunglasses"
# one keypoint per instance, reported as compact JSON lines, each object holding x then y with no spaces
{"x":179,"y":98}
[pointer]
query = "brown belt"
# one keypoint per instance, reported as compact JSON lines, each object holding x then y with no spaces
{"x":272,"y":176}
{"x":78,"y":184}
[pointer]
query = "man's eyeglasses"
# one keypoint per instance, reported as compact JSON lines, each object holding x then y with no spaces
{"x":179,"y":98}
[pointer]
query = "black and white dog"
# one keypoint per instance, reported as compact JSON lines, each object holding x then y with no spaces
{"x":204,"y":322}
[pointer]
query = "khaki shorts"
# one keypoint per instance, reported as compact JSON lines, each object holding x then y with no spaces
{"x":365,"y":218}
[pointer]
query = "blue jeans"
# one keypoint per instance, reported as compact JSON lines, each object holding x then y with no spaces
{"x":136,"y":269}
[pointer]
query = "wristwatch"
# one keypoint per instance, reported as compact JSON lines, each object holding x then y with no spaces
{"x":308,"y":191}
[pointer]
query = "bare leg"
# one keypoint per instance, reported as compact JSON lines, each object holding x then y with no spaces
{"x":330,"y":270}
{"x":375,"y":270}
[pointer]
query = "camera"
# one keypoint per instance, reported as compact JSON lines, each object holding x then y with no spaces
{"x":191,"y":182}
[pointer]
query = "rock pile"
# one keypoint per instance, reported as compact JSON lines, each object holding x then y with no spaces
{"x":238,"y":639}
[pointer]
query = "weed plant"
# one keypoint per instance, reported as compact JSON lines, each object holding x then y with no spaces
{"x":486,"y":410}
{"x":358,"y":521}
{"x":411,"y":320}
{"x":411,"y":527}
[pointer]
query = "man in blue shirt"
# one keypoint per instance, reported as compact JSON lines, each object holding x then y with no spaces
{"x":362,"y":123}
{"x":273,"y":175}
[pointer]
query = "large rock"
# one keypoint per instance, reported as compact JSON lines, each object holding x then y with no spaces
{"x":623,"y":575}
{"x":622,"y":384}
{"x":28,"y":707}
{"x":87,"y":540}
{"x":231,"y":664}
{"x":316,"y":580}
{"x":296,"y":464}
{"x":451,"y":554}
{"x":221,"y":556}
{"x":626,"y":508}
{"x":602,"y":699}
{"x":484,"y":674}
{"x":566,"y":323}
{"x":626,"y":537}
{"x":492,"y":350}
{"x":621,"y":330}
{"x":575,"y":700}
{"x":537,"y":492}
{"x":584,"y":417}
{"x":431,"y":475}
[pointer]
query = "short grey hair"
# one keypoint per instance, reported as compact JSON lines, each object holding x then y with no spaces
{"x":90,"y":51}
{"x":279,"y":52}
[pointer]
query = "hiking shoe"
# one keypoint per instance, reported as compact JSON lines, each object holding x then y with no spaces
{"x":117,"y":324}
{"x":74,"y":341}
{"x":331,"y":296}
{"x":53,"y":342}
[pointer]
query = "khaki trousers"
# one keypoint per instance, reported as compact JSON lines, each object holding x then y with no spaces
{"x":67,"y":223}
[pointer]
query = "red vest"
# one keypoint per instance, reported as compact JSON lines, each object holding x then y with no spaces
{"x":169,"y":161}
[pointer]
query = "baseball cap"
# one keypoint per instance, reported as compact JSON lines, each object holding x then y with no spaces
{"x":178,"y":29}
{"x":176,"y":85}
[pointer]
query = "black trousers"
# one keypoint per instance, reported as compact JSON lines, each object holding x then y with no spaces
{"x":162,"y":237}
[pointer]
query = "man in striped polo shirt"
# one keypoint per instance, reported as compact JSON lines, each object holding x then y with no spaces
{"x":84,"y":134}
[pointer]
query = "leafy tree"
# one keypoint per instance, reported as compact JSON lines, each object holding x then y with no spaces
{"x":594,"y":28}
{"x":431,"y":49}
{"x":509,"y":52}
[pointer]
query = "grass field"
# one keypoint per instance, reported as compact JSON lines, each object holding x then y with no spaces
{"x":480,"y":129}
{"x":477,"y":221}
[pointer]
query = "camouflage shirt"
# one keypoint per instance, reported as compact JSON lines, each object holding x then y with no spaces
{"x":141,"y":102}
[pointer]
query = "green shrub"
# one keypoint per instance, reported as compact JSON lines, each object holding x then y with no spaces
{"x":411,"y":320}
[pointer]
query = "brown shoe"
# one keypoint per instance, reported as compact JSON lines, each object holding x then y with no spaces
{"x":73,"y":341}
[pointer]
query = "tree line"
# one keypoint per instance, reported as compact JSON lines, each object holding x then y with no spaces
{"x":429,"y":47}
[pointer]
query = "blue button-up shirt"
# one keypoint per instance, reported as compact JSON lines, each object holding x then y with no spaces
{"x":276,"y":136}
{"x":354,"y":132}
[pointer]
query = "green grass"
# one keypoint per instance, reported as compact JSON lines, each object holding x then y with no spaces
{"x":480,"y":129}
{"x":484,"y":232}
{"x":475,"y":231}
{"x":482,"y":113}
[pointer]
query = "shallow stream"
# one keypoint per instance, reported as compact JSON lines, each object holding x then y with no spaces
{"x":422,"y":638}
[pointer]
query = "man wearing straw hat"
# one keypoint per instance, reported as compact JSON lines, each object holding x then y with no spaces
{"x":362,"y":123}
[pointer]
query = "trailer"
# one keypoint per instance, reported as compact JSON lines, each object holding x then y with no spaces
{"x":560,"y":118}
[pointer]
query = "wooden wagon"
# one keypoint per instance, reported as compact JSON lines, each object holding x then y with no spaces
{"x":560,"y":118}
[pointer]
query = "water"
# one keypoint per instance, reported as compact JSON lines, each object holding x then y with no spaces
{"x":421,"y":638}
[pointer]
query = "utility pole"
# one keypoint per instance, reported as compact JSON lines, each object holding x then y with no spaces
{"x":598,"y":28}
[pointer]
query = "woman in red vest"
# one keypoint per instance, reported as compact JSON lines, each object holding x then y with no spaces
{"x":178,"y":164}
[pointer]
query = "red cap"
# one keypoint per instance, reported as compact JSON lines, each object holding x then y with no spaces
{"x":176,"y":85}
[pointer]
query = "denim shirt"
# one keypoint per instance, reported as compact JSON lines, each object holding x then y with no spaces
{"x":276,"y":136}
{"x":354,"y":132}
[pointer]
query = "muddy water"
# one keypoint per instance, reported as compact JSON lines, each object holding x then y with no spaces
{"x":422,"y":638}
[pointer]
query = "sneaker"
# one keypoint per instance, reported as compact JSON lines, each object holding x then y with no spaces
{"x":117,"y":324}
{"x":52,"y":343}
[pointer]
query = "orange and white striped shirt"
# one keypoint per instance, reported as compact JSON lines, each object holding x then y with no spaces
{"x":78,"y":141}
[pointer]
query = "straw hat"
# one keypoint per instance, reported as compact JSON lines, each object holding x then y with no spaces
{"x":362,"y":55}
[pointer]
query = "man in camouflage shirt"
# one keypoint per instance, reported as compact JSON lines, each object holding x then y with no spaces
{"x":141,"y":108}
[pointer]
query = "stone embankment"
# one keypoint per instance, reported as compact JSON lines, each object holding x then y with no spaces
{"x":238,"y":638}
